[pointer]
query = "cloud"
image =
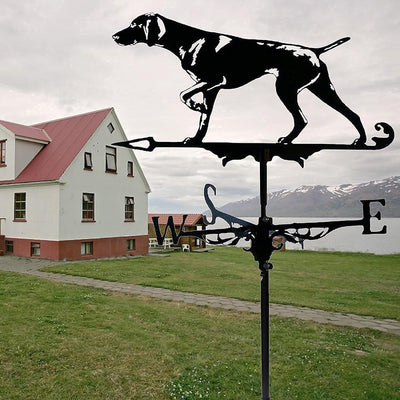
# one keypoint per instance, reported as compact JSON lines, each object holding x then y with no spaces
{"x":58,"y":59}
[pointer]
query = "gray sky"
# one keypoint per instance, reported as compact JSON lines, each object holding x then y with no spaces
{"x":58,"y":59}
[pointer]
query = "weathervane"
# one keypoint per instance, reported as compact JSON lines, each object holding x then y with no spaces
{"x":218,"y":61}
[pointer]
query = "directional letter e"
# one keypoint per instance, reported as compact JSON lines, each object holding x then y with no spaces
{"x":367,"y":217}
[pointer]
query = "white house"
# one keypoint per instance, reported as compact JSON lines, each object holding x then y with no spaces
{"x":67,"y":193}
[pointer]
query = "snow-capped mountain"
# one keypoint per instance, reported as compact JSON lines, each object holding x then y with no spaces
{"x":321,"y":201}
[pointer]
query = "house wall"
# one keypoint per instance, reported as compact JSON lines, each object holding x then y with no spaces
{"x":42,"y":209}
{"x":109,"y":191}
{"x":43,"y":223}
{"x":25,"y":151}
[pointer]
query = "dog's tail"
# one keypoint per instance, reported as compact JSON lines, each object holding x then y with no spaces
{"x":321,"y":50}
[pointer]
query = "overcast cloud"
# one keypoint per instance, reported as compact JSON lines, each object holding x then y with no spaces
{"x":58,"y":59}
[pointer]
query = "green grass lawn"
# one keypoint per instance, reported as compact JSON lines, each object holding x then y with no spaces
{"x":357,"y":283}
{"x":64,"y":342}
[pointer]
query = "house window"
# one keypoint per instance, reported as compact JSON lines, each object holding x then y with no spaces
{"x":110,"y":127}
{"x":9,"y":246}
{"x":3,"y":153}
{"x":19,"y":206}
{"x":88,"y":207}
{"x":130,"y":244}
{"x":111,"y":159}
{"x":86,"y":248}
{"x":129,"y":208}
{"x":35,"y":249}
{"x":88,"y":161}
{"x":130,"y":168}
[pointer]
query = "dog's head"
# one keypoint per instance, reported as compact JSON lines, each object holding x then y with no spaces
{"x":147,"y":28}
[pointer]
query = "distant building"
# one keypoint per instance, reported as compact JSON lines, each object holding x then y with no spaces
{"x":67,"y":193}
{"x":193,"y":222}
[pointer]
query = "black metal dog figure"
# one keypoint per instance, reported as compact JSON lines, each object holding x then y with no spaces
{"x":217,"y":61}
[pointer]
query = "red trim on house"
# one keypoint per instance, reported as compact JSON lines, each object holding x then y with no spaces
{"x":71,"y":249}
{"x":2,"y":244}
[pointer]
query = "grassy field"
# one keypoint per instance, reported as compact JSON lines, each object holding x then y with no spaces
{"x":358,"y":283}
{"x":61,"y":342}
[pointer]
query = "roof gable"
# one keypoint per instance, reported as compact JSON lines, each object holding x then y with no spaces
{"x":26,"y":132}
{"x":68,"y":136}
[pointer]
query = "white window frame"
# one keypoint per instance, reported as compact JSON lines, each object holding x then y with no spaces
{"x":87,"y":161}
{"x":130,"y":244}
{"x":87,"y":200}
{"x":86,"y":248}
{"x":130,"y":168}
{"x":3,"y":153}
{"x":111,"y":159}
{"x":20,"y":213}
{"x":110,"y":127}
{"x":129,"y":209}
{"x":35,"y":248}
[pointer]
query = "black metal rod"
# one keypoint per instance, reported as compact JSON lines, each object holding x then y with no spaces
{"x":264,"y":285}
{"x":263,"y":184}
{"x":264,"y":332}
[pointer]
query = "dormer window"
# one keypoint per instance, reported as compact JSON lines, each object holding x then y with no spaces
{"x":88,"y":161}
{"x":2,"y":153}
{"x":110,"y":127}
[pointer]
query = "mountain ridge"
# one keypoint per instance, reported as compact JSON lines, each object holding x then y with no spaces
{"x":324,"y":201}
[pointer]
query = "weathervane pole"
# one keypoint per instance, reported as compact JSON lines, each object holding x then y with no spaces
{"x":264,"y":284}
{"x":264,"y":332}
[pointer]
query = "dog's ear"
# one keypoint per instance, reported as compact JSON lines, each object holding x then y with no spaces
{"x":153,"y":29}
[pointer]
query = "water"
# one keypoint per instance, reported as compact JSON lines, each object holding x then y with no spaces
{"x":349,"y":239}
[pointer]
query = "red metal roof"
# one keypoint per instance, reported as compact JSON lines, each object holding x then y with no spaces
{"x":68,"y":136}
{"x":26,"y":131}
{"x":191,"y":220}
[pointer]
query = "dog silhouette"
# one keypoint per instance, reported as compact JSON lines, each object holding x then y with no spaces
{"x":217,"y":61}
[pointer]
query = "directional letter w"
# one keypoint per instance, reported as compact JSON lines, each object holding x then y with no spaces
{"x":171,"y":226}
